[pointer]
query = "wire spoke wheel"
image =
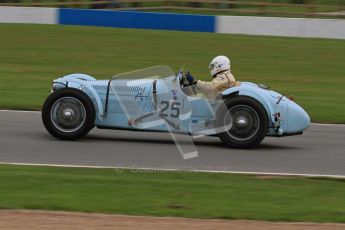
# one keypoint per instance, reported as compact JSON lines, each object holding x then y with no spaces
{"x":245,"y":122}
{"x":68,"y":114}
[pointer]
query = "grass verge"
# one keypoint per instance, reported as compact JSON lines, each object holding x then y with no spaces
{"x":33,"y":55}
{"x":183,"y":194}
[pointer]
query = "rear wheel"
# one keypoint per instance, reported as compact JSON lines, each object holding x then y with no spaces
{"x":68,"y":114}
{"x":247,"y":121}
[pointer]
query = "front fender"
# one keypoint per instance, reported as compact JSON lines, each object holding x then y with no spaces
{"x":81,"y":82}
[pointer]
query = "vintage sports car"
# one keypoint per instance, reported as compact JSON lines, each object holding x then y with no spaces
{"x":155,"y":99}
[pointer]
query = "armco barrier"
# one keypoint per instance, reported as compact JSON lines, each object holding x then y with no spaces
{"x":34,"y":15}
{"x":272,"y":26}
{"x":291,"y":27}
{"x":142,"y":20}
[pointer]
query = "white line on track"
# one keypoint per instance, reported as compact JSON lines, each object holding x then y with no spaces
{"x":18,"y":111}
{"x":152,"y":170}
{"x":22,"y":111}
{"x":322,"y":124}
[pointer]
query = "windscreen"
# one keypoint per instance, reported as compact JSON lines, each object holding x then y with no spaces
{"x":155,"y":72}
{"x":150,"y":97}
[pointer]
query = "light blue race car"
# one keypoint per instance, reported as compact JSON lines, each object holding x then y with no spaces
{"x":156,"y":99}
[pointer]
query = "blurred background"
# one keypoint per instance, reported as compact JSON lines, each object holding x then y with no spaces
{"x":288,"y":8}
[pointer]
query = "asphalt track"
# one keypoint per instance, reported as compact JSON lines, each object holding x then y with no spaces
{"x":23,"y":139}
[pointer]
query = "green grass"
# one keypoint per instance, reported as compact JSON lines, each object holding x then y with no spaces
{"x":31,"y":56}
{"x":195,"y":195}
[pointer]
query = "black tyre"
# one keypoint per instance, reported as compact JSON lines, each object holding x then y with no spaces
{"x":246,"y":122}
{"x":68,"y":114}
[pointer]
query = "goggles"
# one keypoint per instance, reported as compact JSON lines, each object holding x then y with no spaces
{"x":211,"y":66}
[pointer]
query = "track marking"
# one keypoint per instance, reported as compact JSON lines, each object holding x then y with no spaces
{"x":18,"y":111}
{"x":321,"y":124}
{"x":152,"y":170}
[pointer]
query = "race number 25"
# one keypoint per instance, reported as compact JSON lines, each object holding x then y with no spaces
{"x":174,"y":109}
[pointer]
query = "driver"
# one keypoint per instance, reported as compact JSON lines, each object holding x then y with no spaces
{"x":222,"y":78}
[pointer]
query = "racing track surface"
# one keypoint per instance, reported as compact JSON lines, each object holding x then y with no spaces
{"x":23,"y":139}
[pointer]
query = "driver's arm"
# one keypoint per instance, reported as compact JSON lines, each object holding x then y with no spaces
{"x":215,"y":85}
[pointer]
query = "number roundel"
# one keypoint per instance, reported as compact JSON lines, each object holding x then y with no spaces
{"x":174,"y":109}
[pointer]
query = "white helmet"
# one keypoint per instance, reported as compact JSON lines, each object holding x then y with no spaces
{"x":219,"y":64}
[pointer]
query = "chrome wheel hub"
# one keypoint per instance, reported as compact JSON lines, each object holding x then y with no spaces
{"x":242,"y":121}
{"x":68,"y":114}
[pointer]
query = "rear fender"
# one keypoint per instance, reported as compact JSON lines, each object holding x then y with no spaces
{"x":237,"y":91}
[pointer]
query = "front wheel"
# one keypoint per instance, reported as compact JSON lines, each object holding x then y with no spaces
{"x":248,"y":122}
{"x":68,"y":114}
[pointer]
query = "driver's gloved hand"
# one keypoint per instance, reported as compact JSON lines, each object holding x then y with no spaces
{"x":190,"y":78}
{"x":183,"y":81}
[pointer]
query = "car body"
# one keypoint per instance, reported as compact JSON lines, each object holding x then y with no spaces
{"x":148,"y":100}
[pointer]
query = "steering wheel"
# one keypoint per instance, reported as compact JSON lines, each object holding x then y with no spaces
{"x":183,"y":81}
